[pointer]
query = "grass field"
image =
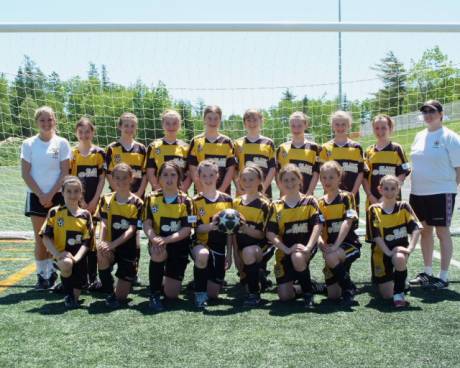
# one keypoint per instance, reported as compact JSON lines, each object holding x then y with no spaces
{"x":36,"y":330}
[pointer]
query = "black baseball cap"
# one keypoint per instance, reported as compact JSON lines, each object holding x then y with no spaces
{"x":432,"y":105}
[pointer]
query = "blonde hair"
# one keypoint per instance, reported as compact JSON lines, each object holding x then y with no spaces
{"x":290,"y":168}
{"x":70,"y":179}
{"x":212,"y":108}
{"x":301,"y":116}
{"x":208,"y":163}
{"x":342,"y":115}
{"x":332,"y":166}
{"x":390,"y":179}
{"x":123,"y":167}
{"x":44,"y":109}
{"x":171,"y":113}
{"x":252,"y":112}
{"x":127,"y":116}
{"x":389,"y":120}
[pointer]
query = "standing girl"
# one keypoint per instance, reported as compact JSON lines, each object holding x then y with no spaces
{"x":294,"y":229}
{"x":88,"y":165}
{"x":212,"y":251}
{"x":121,"y":217}
{"x":348,"y":153}
{"x":254,"y":209}
{"x":168,"y":148}
{"x":339,"y":243}
{"x":68,"y":234}
{"x":168,"y":220}
{"x":44,"y":164}
{"x":301,"y":152}
{"x":211,"y":145}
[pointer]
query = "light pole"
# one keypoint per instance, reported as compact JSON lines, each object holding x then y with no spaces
{"x":340,"y":58}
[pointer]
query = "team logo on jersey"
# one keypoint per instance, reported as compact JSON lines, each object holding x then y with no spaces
{"x":384,"y":170}
{"x":350,"y":167}
{"x":298,"y":229}
{"x":122,"y":225}
{"x":117,"y":158}
{"x":158,"y":151}
{"x":328,"y":153}
{"x":202,"y":212}
{"x":396,"y":234}
{"x":54,"y":150}
{"x":172,"y":227}
{"x":154,"y":209}
{"x":436,"y":144}
{"x":305,"y":168}
{"x":60,"y":222}
{"x":88,"y":173}
{"x":200,"y":148}
{"x":278,"y":217}
{"x":284,"y":153}
{"x":74,"y":241}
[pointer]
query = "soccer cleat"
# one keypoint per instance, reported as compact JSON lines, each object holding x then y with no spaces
{"x":52,"y":280}
{"x":95,"y":286}
{"x":58,"y":288}
{"x":309,"y":300}
{"x":112,"y":302}
{"x":347,"y":299}
{"x":318,"y":287}
{"x":265,"y":282}
{"x":253,"y":300}
{"x":422,"y":279}
{"x":438,"y":284}
{"x":42,"y":283}
{"x":201,"y":300}
{"x":155,"y":303}
{"x":70,"y":302}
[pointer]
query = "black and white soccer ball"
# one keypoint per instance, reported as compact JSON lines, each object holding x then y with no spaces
{"x":229,"y":221}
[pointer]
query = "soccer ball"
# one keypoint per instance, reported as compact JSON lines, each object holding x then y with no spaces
{"x":229,"y":221}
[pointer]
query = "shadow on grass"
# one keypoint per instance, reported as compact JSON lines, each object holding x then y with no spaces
{"x":429,"y":296}
{"x":15,"y":298}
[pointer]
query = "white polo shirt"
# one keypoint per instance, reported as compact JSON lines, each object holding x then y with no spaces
{"x":45,"y":159}
{"x":435,"y":155}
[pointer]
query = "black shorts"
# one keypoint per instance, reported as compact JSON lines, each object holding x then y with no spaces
{"x":381,"y":265}
{"x":284,"y":269}
{"x":177,"y":260}
{"x":216,"y":267}
{"x":80,"y":274}
{"x":127,"y":263}
{"x":34,"y":208}
{"x":352,"y":253}
{"x":435,"y":209}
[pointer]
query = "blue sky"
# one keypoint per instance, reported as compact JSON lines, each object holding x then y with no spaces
{"x":224,"y":65}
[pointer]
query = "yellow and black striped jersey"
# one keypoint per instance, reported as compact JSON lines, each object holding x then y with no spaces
{"x":221,"y":151}
{"x":392,"y":227}
{"x":305,"y":157}
{"x":120,"y":216}
{"x":335,"y":213}
{"x":390,"y":160}
{"x":294,"y":224}
{"x":160,"y":151}
{"x":69,"y":232}
{"x":260,"y":153}
{"x":168,"y":218}
{"x":88,"y":169}
{"x":257,"y":214}
{"x":349,"y":156}
{"x":204,"y":210}
{"x":135,"y":157}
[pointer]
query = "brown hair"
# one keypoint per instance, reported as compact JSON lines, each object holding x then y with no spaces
{"x":170,"y":113}
{"x":290,"y":168}
{"x":389,"y":120}
{"x":212,"y":108}
{"x":254,"y":169}
{"x":175,"y":167}
{"x":252,"y":112}
{"x":332,"y":165}
{"x":301,"y":116}
{"x":127,"y":116}
{"x":122,"y":167}
{"x":85,"y":121}
{"x":42,"y":110}
{"x":390,"y":179}
{"x":70,"y":179}
{"x":208,"y":163}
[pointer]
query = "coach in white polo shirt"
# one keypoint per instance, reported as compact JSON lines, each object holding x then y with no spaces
{"x":435,"y":157}
{"x":45,"y":161}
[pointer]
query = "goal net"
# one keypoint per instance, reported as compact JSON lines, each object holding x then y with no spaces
{"x":102,"y":75}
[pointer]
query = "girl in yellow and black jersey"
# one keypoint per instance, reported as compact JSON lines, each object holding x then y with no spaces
{"x":166,"y":149}
{"x":294,"y":229}
{"x":67,"y":235}
{"x":339,"y":242}
{"x":212,"y":250}
{"x":121,"y":216}
{"x":88,"y":164}
{"x":254,"y":209}
{"x":348,"y":153}
{"x":168,"y":219}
